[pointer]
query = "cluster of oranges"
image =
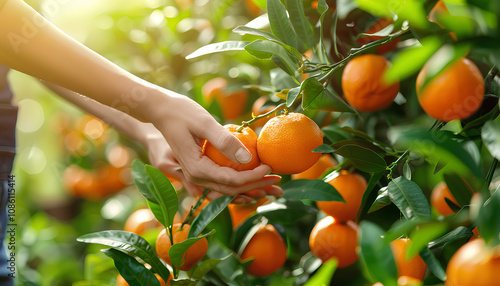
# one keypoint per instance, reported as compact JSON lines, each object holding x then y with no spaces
{"x":108,"y":169}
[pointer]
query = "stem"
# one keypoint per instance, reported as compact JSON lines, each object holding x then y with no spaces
{"x":394,"y":164}
{"x":194,"y":208}
{"x":485,"y":191}
{"x":246,"y":123}
{"x":489,"y":79}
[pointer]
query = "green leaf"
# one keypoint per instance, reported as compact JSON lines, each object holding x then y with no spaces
{"x":381,"y":201}
{"x":178,"y":250}
{"x":128,"y":243}
{"x":411,"y":60}
{"x":460,"y":155}
{"x":322,"y":10}
{"x":256,"y":32}
{"x":458,"y":233}
{"x":408,"y":197}
{"x":364,"y":159}
{"x":361,"y":143}
{"x":324,"y":149}
{"x":374,"y":180}
{"x":324,"y":274}
{"x":261,"y":3}
{"x":458,"y":188}
{"x":491,"y":137}
{"x":334,"y":134}
{"x":165,"y":195}
{"x":403,"y":227}
{"x":263,"y":49}
{"x":376,"y":254}
{"x":433,"y":264}
{"x":183,"y":282}
{"x":206,"y":266}
{"x":286,"y":212}
{"x":425,"y":233}
{"x":223,"y":224}
{"x":142,"y":180}
{"x":382,"y":33}
{"x":300,"y":23}
{"x":280,"y":24}
{"x":357,"y":133}
{"x":292,"y":95}
{"x":207,"y":214}
{"x":413,"y":11}
{"x":489,"y":219}
{"x":217,"y":48}
{"x":132,"y":271}
{"x":316,"y":190}
{"x":318,"y":98}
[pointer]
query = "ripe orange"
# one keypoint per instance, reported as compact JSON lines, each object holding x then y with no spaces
{"x":379,"y":25}
{"x":438,"y":195}
{"x":351,"y":187}
{"x":439,"y":10}
{"x":268,"y":250}
{"x":246,"y":136}
{"x":332,"y":239}
{"x":286,"y":142}
{"x":252,"y":8}
{"x":141,"y":221}
{"x":455,"y":93}
{"x":414,"y":267}
{"x":191,"y":257}
{"x":232,"y":102}
{"x":364,"y":85}
{"x":240,"y":212}
{"x":325,"y":163}
{"x":474,"y":264}
{"x":120,"y":281}
{"x":111,"y":179}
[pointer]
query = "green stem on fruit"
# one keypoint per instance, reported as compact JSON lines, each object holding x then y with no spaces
{"x":246,"y":123}
{"x":394,"y":164}
{"x":485,"y":191}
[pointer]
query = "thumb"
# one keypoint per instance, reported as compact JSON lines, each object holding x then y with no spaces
{"x":228,"y":145}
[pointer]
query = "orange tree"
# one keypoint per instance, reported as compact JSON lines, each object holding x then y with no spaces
{"x":442,"y":68}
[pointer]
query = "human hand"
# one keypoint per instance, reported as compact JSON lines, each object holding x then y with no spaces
{"x":161,"y":156}
{"x":185,"y":125}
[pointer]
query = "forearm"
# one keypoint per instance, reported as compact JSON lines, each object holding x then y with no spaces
{"x":122,"y":122}
{"x":32,"y":45}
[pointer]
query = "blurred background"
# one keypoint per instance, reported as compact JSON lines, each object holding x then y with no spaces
{"x":66,"y":158}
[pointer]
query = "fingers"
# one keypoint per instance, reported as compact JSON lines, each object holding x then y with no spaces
{"x":229,"y":145}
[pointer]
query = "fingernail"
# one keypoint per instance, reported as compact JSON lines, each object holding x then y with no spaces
{"x":243,"y":156}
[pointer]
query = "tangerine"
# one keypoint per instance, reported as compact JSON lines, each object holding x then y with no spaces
{"x":120,"y":281}
{"x":246,"y":136}
{"x":364,"y":85}
{"x":232,"y":102}
{"x":455,"y":93}
{"x":351,"y":187}
{"x":325,"y":163}
{"x":140,"y":221}
{"x":413,"y":267}
{"x":191,"y":257}
{"x":268,"y":251}
{"x":240,"y":212}
{"x":332,"y":239}
{"x":474,"y":264}
{"x":439,"y":194}
{"x":286,"y":142}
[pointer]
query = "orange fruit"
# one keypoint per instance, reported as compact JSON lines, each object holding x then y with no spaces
{"x":258,"y":109}
{"x":438,"y":195}
{"x":439,"y":10}
{"x":246,"y":136}
{"x":414,"y":267}
{"x":455,"y":93}
{"x":191,"y":257}
{"x":332,"y":239}
{"x":252,"y":8}
{"x":351,"y":187}
{"x":120,"y":281}
{"x":325,"y":163}
{"x":379,"y":25}
{"x":141,"y":221}
{"x":286,"y":142}
{"x":232,"y":102}
{"x":364,"y":85}
{"x":112,"y":179}
{"x":240,"y":212}
{"x":474,"y":264}
{"x":268,"y":250}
